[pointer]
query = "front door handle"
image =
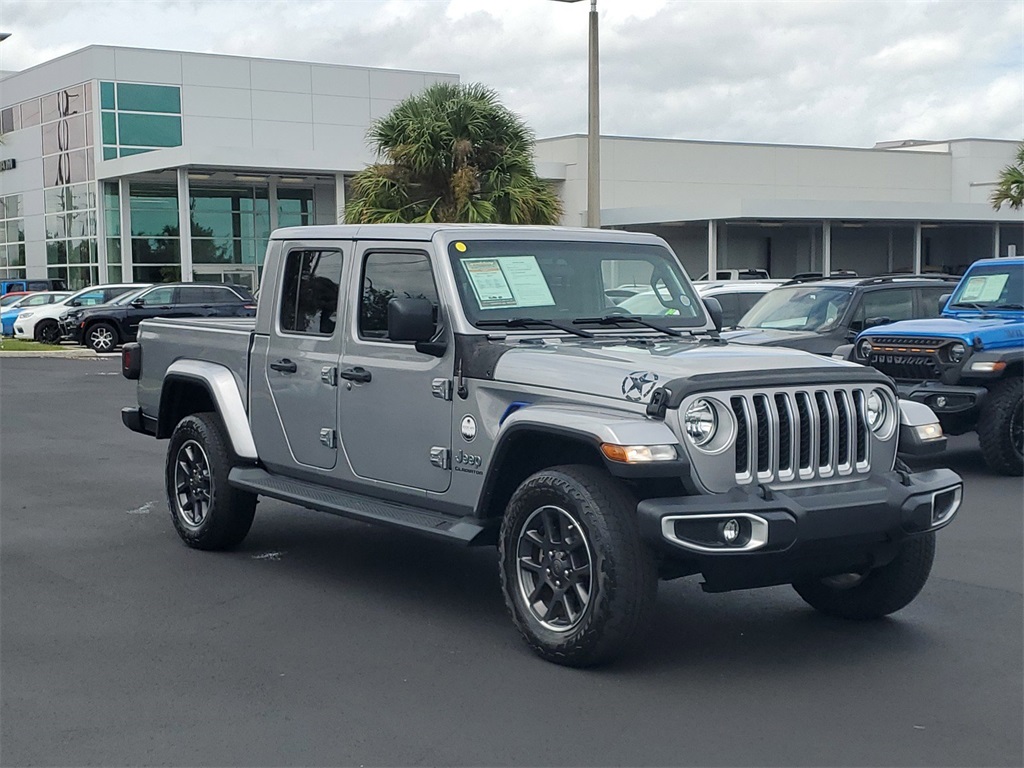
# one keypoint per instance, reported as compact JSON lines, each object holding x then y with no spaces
{"x":285,"y":366}
{"x":356,"y":374}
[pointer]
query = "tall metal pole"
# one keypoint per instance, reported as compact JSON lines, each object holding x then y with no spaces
{"x":593,"y":128}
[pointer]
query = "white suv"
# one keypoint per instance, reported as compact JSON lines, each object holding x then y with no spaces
{"x":40,"y":323}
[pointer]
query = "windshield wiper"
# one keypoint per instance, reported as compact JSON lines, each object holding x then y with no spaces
{"x":524,"y":322}
{"x":971,"y":305}
{"x":617,"y":318}
{"x":1008,"y":306}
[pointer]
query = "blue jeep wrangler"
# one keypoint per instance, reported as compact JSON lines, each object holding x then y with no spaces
{"x":967,"y":364}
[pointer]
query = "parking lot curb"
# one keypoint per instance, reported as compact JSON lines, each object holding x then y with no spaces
{"x":78,"y":354}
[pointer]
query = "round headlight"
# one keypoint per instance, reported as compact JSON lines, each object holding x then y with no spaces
{"x":957,"y":352}
{"x":875,"y":407}
{"x":864,"y":349}
{"x":700,"y":422}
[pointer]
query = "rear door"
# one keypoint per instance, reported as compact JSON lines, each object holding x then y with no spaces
{"x":296,"y":396}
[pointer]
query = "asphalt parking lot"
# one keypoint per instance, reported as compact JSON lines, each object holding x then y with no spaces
{"x":328,"y":642}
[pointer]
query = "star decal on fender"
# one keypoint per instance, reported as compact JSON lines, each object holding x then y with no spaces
{"x":638,"y":385}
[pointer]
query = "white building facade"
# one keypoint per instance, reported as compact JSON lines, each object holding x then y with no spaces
{"x":906,"y":207}
{"x":128,"y":164}
{"x":123,"y":164}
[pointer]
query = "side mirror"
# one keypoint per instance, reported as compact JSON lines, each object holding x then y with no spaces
{"x":138,"y":303}
{"x":411,"y":320}
{"x":714,"y":309}
{"x":74,"y":303}
{"x":871,"y":322}
{"x":942,"y":301}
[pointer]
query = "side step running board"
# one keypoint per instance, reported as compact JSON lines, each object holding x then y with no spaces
{"x":347,"y":504}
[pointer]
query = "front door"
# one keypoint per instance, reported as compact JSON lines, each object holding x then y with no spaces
{"x":395,"y":428}
{"x":294,"y":368}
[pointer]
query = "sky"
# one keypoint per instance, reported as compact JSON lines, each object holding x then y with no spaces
{"x":822,"y":72}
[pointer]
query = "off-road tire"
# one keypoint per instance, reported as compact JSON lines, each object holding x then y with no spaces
{"x":622,"y":582}
{"x":1000,"y":424}
{"x":101,"y":337}
{"x":47,"y":332}
{"x":199,"y":458}
{"x":881,"y":591}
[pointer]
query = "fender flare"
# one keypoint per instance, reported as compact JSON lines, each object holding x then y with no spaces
{"x":590,"y":428}
{"x":220,"y":384}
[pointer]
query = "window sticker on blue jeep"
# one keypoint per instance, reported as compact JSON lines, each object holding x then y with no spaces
{"x":508,"y":281}
{"x":983,"y":288}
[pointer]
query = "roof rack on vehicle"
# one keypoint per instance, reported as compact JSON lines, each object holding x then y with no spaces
{"x":894,"y":276}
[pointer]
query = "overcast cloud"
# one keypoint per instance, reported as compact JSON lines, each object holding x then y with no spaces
{"x":831,"y":72}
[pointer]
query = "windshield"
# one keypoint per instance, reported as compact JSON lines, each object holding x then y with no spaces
{"x":993,"y":286}
{"x":799,"y":308}
{"x":501,"y":280}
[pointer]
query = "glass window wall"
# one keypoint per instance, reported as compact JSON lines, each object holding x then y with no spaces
{"x":156,"y":248}
{"x":229,"y":225}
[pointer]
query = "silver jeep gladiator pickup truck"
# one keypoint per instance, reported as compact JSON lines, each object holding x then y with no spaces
{"x":477,"y":384}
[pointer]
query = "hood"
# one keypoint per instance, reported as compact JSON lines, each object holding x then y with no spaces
{"x":631,"y":371}
{"x":989,"y":330}
{"x":769,"y":337}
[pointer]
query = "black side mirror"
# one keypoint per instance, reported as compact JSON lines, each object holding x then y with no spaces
{"x":413,"y":320}
{"x":138,"y":303}
{"x":871,"y":322}
{"x":943,"y":299}
{"x":714,"y":309}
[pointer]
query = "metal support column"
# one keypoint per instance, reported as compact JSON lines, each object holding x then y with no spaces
{"x":712,"y":249}
{"x":995,"y":241}
{"x":124,"y":198}
{"x":917,"y":248}
{"x":184,"y":224}
{"x":593,"y":128}
{"x":826,"y":248}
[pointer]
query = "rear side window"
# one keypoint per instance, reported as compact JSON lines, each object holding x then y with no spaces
{"x":309,"y":292}
{"x":205,"y":294}
{"x":388,"y":276}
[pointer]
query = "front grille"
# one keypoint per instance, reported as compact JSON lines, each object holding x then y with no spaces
{"x":801,"y":434}
{"x":907,"y":367}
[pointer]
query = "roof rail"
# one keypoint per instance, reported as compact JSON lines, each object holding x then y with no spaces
{"x":876,"y":278}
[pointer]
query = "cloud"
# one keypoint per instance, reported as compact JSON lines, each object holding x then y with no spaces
{"x":835,"y":72}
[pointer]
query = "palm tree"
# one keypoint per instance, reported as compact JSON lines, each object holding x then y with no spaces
{"x":452,"y":153}
{"x":1010,"y":189}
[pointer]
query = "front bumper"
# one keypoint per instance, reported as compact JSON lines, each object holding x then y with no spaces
{"x":70,"y":330}
{"x":943,"y":398}
{"x":784,"y":535}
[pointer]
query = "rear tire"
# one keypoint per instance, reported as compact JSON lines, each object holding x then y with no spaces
{"x":578,"y":580}
{"x":207,"y":512}
{"x":1001,"y":427}
{"x":101,"y":337}
{"x":878,"y":592}
{"x":47,"y":332}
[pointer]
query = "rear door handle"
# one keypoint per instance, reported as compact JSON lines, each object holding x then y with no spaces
{"x":355,"y":374}
{"x":285,"y":366}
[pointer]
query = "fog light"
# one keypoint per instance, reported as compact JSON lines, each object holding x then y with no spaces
{"x":940,"y":401}
{"x":731,"y":531}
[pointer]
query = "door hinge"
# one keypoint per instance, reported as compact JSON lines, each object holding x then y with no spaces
{"x":442,"y":388}
{"x":440,"y":457}
{"x":329,"y":375}
{"x":329,"y":437}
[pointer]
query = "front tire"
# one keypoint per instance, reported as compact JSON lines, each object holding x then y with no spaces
{"x":578,"y":580}
{"x":47,"y":332}
{"x":1001,"y":427}
{"x":878,"y":592}
{"x":207,"y":512}
{"x":101,"y":337}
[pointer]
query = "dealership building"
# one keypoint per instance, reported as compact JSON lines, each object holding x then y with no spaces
{"x":123,"y":164}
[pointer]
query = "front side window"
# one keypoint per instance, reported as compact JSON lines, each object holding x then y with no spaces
{"x":309,"y":292}
{"x":894,"y":304}
{"x":501,"y":280}
{"x":392,"y":275}
{"x":799,"y":308}
{"x":158,"y":297}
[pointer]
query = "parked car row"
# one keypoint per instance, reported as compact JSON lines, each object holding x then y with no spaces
{"x":105,"y":316}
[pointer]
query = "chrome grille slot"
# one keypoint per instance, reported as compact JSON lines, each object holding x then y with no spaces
{"x":795,"y":434}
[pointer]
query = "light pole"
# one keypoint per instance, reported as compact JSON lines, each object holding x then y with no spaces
{"x":593,"y":124}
